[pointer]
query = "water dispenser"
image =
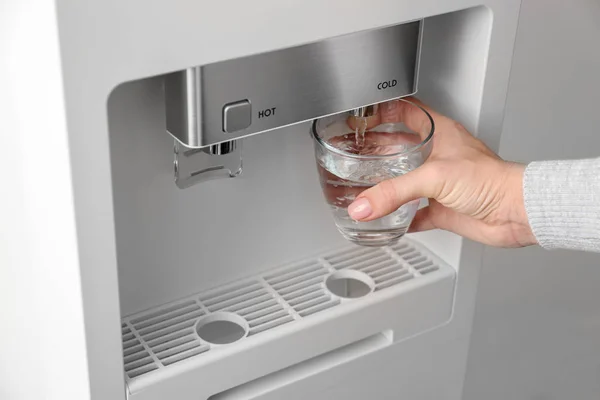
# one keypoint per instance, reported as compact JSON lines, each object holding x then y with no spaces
{"x":210,"y":266}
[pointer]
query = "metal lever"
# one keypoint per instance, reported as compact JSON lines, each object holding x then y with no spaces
{"x":222,"y":149}
{"x":367,"y":111}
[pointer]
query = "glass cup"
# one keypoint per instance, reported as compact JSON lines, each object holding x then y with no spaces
{"x":346,"y":168}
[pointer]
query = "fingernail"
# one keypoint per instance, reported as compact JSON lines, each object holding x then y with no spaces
{"x":360,"y":209}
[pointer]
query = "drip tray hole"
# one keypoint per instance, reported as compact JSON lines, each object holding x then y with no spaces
{"x":222,"y":328}
{"x":350,"y":284}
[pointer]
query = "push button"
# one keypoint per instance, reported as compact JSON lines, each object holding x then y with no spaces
{"x":237,"y":116}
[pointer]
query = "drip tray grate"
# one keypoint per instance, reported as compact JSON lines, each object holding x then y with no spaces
{"x":158,"y":338}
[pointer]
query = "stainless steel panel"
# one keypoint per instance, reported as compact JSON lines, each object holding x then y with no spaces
{"x":183,"y":99}
{"x":295,"y":84}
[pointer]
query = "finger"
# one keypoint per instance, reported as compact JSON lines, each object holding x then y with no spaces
{"x":410,"y":111}
{"x":389,"y":195}
{"x":423,"y":221}
{"x":440,"y":119}
{"x":434,"y":216}
{"x":390,"y":112}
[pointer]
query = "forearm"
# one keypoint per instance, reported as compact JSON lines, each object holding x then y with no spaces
{"x":562,"y":202}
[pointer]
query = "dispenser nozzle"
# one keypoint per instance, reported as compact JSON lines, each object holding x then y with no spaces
{"x":366,"y":111}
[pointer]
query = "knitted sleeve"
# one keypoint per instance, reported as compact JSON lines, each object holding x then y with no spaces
{"x":562,"y":201}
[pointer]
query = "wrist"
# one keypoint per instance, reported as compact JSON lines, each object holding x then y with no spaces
{"x":514,"y":205}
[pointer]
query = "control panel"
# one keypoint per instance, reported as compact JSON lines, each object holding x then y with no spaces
{"x":232,"y":99}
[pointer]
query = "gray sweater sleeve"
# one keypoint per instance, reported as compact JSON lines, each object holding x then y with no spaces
{"x":562,"y":201}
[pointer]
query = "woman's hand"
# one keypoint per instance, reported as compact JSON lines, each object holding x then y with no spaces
{"x":472,"y":191}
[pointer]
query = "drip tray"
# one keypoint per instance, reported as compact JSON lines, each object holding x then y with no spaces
{"x":219,"y":339}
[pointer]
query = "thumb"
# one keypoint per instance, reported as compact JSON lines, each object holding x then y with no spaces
{"x":387,"y":196}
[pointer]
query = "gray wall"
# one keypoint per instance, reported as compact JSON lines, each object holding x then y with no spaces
{"x":537,"y":325}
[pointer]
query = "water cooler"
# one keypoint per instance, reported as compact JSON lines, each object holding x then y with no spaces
{"x":203,"y":250}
